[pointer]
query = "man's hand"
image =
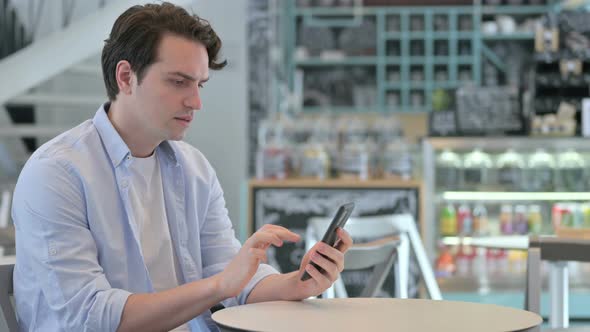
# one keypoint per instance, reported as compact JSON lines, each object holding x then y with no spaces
{"x":244,"y":265}
{"x":330,"y":259}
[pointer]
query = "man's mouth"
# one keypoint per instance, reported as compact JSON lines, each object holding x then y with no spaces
{"x":186,"y":119}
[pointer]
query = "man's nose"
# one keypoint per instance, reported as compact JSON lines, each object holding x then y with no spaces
{"x":194,"y":101}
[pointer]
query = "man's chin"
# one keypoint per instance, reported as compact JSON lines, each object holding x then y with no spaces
{"x":176,"y":138}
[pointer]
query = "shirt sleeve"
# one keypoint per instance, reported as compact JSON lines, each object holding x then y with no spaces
{"x":54,"y":241}
{"x":219,"y":244}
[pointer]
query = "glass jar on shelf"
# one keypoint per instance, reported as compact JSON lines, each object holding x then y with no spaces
{"x":272,"y":156}
{"x":571,"y":170}
{"x":477,"y":167}
{"x":314,"y":161}
{"x":448,"y":170}
{"x":354,"y":157}
{"x":510,"y":168}
{"x":397,"y":160}
{"x":540,"y":171}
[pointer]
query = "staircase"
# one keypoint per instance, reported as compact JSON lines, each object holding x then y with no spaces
{"x":50,"y":74}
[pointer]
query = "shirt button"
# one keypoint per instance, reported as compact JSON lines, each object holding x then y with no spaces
{"x":124,"y":183}
{"x":52,"y":251}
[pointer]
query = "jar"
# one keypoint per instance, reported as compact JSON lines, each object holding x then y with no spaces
{"x":476,"y":169}
{"x":510,"y":168}
{"x":571,"y":170}
{"x":448,"y":170}
{"x":540,"y":171}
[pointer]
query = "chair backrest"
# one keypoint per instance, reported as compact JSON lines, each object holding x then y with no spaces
{"x":377,"y":249}
{"x":383,"y":226}
{"x":6,"y":305}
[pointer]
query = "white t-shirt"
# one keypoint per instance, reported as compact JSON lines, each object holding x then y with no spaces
{"x":147,"y":198}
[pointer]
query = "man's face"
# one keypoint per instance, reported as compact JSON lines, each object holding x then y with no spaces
{"x":169,"y":93}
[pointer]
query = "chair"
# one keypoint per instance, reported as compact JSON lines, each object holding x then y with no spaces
{"x":558,"y":251}
{"x":9,"y":323}
{"x":384,"y":252}
{"x":6,"y":228}
{"x":380,"y":253}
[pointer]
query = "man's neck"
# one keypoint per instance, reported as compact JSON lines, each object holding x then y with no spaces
{"x":136,"y":138}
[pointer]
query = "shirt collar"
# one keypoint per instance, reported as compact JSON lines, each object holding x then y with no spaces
{"x":114,"y":144}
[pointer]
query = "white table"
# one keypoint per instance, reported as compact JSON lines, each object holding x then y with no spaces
{"x":374,"y":314}
{"x":558,"y":268}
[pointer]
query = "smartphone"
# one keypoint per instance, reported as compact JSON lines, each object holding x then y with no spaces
{"x":330,"y":236}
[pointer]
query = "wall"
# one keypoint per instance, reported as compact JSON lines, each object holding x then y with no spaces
{"x":220,"y":129}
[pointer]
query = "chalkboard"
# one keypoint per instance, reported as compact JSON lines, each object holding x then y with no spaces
{"x":292,"y":207}
{"x":489,"y":110}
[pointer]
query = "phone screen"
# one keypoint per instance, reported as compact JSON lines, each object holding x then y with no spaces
{"x":330,"y":236}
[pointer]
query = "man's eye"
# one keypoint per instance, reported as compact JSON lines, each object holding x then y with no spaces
{"x":178,"y":82}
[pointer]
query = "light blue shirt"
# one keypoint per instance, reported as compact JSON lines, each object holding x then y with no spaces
{"x":77,"y":252}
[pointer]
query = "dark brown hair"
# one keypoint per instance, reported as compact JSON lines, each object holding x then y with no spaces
{"x":136,"y":35}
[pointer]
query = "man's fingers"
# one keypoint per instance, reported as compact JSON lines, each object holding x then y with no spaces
{"x":332,"y":254}
{"x":316,"y":275}
{"x":259,"y":253}
{"x":330,"y":268}
{"x":345,"y":240}
{"x":260,"y":239}
{"x":283,"y":233}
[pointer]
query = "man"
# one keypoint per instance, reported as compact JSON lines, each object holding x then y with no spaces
{"x":120,"y":225}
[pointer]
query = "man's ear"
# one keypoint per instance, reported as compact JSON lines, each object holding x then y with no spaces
{"x":124,"y":76}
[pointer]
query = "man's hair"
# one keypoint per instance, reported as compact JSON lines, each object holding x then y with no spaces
{"x":137,"y":33}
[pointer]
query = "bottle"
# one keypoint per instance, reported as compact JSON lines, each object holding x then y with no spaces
{"x":535,"y":219}
{"x":462,"y":262}
{"x":464,"y":220}
{"x":476,"y":169}
{"x":510,"y":170}
{"x":492,"y":261}
{"x":480,"y":220}
{"x":586,"y":214}
{"x":520,"y":221}
{"x":448,"y":221}
{"x":506,"y":226}
{"x":502,"y":261}
{"x":448,"y":170}
{"x":445,"y":263}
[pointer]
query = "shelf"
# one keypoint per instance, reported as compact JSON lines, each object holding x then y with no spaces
{"x":396,"y":34}
{"x":495,"y":143}
{"x":511,"y":36}
{"x":514,"y":196}
{"x":514,"y":242}
{"x":386,"y":10}
{"x":335,"y":183}
{"x":461,"y":60}
{"x":340,"y":109}
{"x":344,"y":61}
{"x":515,"y":10}
{"x":428,"y":35}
